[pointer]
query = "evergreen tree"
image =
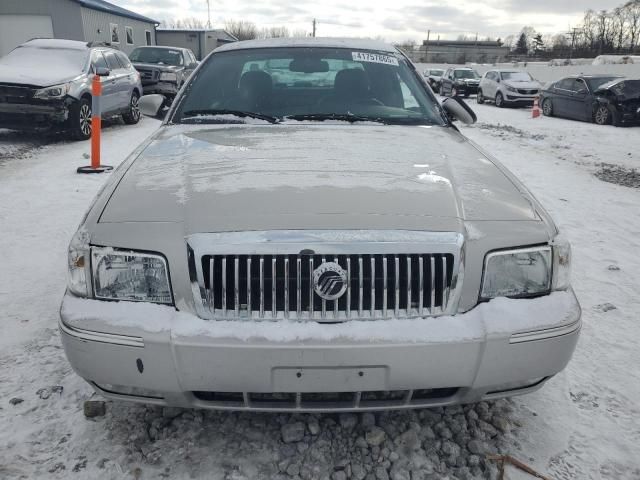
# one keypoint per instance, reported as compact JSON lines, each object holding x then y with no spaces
{"x":522,"y":45}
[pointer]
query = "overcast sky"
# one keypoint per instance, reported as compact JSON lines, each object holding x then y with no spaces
{"x":395,"y":20}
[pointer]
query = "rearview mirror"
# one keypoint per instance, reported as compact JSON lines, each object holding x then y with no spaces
{"x":457,"y":109}
{"x":308,"y":65}
{"x":150,"y":105}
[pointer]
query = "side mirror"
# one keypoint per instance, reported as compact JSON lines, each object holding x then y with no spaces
{"x":457,"y":109}
{"x":498,"y":80}
{"x":150,"y":105}
{"x":102,"y":71}
{"x":192,"y":66}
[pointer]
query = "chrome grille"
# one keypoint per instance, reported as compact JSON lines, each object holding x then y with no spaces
{"x":378,"y":286}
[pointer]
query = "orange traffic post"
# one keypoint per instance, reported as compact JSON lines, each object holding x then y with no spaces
{"x":535,"y":113}
{"x":96,"y":127}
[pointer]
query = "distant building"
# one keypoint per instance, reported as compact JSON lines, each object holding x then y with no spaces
{"x":200,"y":41}
{"x":460,"y":52}
{"x":84,"y":20}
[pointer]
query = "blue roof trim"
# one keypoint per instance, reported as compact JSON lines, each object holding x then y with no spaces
{"x":114,"y":9}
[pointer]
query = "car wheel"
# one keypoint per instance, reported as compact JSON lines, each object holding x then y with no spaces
{"x":602,"y":115}
{"x":133,"y":115}
{"x":499,"y":100}
{"x":80,"y":118}
{"x":547,"y":107}
{"x":480,"y":97}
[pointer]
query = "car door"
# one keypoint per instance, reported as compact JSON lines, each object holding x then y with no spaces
{"x":562,"y":93}
{"x":447,"y":81}
{"x":108,"y":97}
{"x":580,"y":103}
{"x":129,"y":74}
{"x":118,"y":81}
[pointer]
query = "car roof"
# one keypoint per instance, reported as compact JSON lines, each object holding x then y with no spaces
{"x":57,"y":43}
{"x":507,"y":70}
{"x":167,"y":47}
{"x":594,"y":75}
{"x":353,"y":43}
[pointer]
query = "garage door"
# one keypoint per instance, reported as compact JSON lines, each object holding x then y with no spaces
{"x":17,"y":29}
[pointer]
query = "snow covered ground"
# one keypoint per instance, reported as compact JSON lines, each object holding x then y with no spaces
{"x":585,"y":423}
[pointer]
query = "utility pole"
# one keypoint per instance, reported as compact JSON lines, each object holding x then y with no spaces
{"x":574,"y":31}
{"x":426,"y":47}
{"x":208,"y":14}
{"x":314,"y":28}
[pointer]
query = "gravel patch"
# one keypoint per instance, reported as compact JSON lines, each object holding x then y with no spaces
{"x":506,"y":131}
{"x":627,"y":177}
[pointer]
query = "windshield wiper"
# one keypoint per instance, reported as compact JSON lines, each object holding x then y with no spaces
{"x":348,"y":117}
{"x":194,"y":114}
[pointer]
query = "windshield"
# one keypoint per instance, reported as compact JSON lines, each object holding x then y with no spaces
{"x":465,"y":74}
{"x":437,"y":73}
{"x":63,"y":60}
{"x":595,"y":83}
{"x":160,"y":56}
{"x":308,"y":84}
{"x":516,"y":76}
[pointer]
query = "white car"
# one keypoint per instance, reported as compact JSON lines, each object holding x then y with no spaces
{"x":290,"y":245}
{"x":508,"y":87}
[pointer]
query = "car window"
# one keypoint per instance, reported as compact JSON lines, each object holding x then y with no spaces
{"x":596,"y":82}
{"x":566,"y":84}
{"x":98,"y":61}
{"x":282,"y":82}
{"x":579,"y":84}
{"x":436,"y":73}
{"x":465,"y":74}
{"x":160,"y":56}
{"x":124,"y":60}
{"x":112,"y":60}
{"x":516,"y":76}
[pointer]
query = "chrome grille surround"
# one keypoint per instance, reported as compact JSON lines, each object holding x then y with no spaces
{"x":268,"y":275}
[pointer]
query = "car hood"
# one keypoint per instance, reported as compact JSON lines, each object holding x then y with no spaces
{"x":525,"y":84}
{"x":156,"y":66}
{"x":314,"y":176}
{"x":35,"y":76}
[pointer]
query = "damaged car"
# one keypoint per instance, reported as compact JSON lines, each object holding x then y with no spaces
{"x":329,"y":241}
{"x":46,"y":84}
{"x":601,"y":99}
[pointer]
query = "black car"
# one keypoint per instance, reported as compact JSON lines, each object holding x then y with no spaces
{"x":602,"y":99}
{"x":459,"y":81}
{"x":163,"y":69}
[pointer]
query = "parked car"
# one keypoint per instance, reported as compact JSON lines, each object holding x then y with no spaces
{"x":163,"y":69}
{"x":459,"y":81}
{"x":602,"y":99}
{"x":46,"y":84}
{"x":508,"y":87}
{"x":307,"y":248}
{"x":433,"y":76}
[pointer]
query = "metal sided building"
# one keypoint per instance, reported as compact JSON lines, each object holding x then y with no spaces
{"x":200,"y":42}
{"x":84,"y":20}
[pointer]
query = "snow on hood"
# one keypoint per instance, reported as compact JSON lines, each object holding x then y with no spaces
{"x":525,"y":84}
{"x":36,"y":76}
{"x":322,"y":176}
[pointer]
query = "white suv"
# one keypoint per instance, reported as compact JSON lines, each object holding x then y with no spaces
{"x":508,"y":87}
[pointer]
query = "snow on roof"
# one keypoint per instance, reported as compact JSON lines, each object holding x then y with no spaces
{"x":57,"y":43}
{"x":114,"y":9}
{"x":354,"y":43}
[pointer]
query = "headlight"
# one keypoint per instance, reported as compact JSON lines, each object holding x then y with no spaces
{"x":510,"y":88}
{"x":78,"y":263}
{"x":168,"y":77}
{"x":57,"y":91}
{"x":517,"y":273}
{"x":129,"y":275}
{"x":561,"y":263}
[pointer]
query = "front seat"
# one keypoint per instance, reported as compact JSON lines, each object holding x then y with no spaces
{"x":350,"y":86}
{"x":255,"y":89}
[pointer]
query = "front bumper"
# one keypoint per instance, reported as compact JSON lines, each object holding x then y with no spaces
{"x":163,"y":88}
{"x":155,"y":354}
{"x":33,"y":115}
{"x":466,"y":89}
{"x":519,"y":98}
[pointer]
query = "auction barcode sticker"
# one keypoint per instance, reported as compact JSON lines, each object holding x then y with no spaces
{"x":374,"y":58}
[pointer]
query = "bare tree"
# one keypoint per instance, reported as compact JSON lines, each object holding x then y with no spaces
{"x":632,"y":12}
{"x":191,"y":23}
{"x":241,"y":29}
{"x":273,"y":32}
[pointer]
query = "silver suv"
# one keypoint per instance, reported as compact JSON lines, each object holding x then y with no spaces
{"x":508,"y":87}
{"x":320,"y":238}
{"x":46,"y":84}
